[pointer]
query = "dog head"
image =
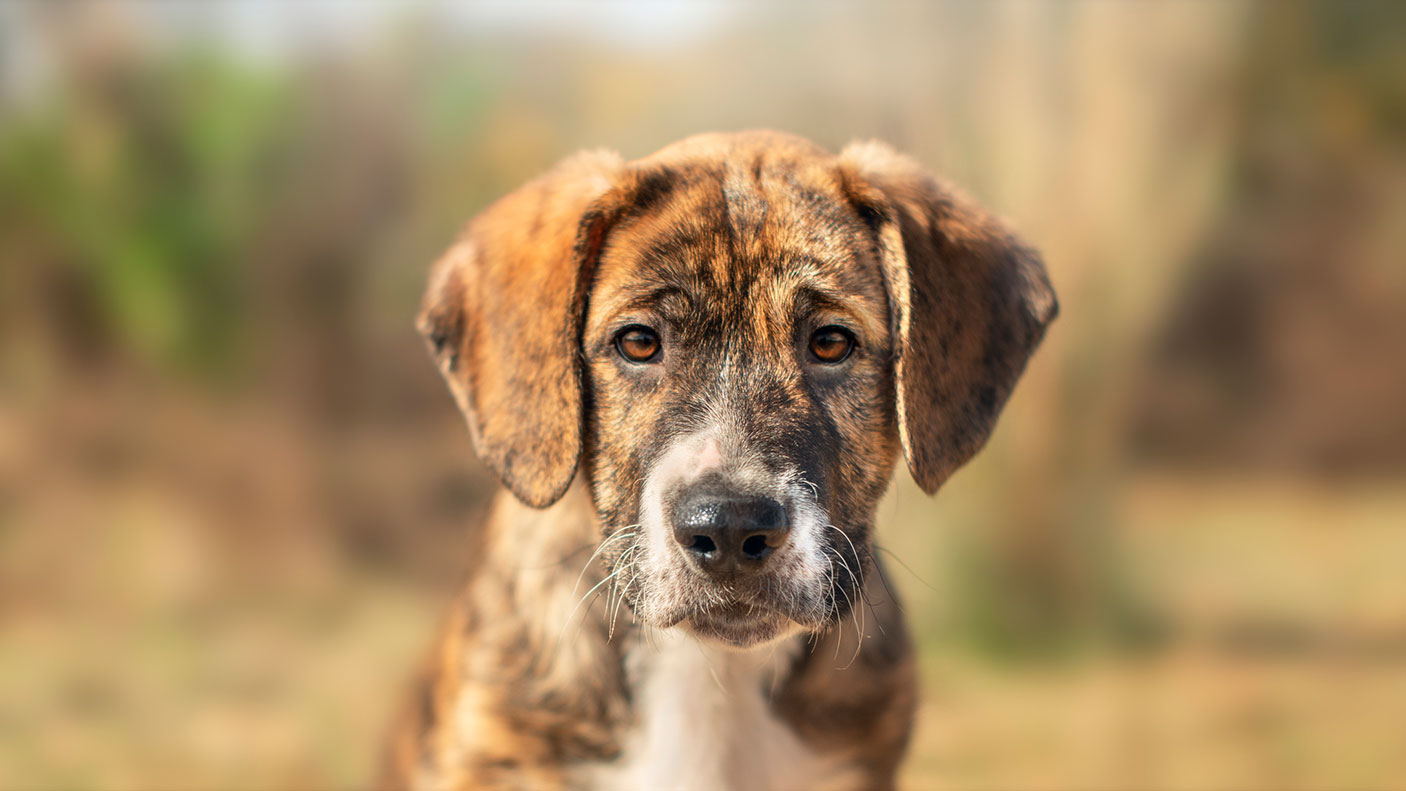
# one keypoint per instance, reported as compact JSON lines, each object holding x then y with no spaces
{"x":733,"y":340}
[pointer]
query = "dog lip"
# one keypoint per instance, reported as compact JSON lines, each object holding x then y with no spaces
{"x":738,"y":623}
{"x":735,"y":610}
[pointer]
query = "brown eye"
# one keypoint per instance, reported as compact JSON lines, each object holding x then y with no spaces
{"x":831,"y":345}
{"x":637,"y":343}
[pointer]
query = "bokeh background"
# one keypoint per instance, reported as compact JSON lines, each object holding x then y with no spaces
{"x":235,"y":497}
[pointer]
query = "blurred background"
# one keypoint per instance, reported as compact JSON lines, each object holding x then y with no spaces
{"x":235,"y":496}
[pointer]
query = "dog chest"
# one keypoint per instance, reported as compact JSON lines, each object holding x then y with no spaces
{"x":704,"y":721}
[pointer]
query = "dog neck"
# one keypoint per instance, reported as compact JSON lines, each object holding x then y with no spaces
{"x":704,"y":719}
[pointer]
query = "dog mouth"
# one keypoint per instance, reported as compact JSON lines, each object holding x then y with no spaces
{"x":740,"y":611}
{"x":739,"y":624}
{"x":744,"y":614}
{"x":750,"y":616}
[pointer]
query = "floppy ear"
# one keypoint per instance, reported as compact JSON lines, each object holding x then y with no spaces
{"x":503,"y":315}
{"x":970,"y":303}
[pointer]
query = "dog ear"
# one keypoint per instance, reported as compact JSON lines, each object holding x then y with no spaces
{"x":969,"y":303}
{"x":503,"y":316}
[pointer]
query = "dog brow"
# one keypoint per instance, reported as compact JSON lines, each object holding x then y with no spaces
{"x":661,"y":297}
{"x":818,"y":297}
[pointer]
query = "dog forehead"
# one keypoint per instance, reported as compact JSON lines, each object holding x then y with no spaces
{"x":714,"y":230}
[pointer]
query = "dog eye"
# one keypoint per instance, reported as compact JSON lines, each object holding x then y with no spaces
{"x":637,"y":343}
{"x":831,"y":345}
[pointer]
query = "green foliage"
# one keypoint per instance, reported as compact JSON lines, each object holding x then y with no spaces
{"x":145,"y":185}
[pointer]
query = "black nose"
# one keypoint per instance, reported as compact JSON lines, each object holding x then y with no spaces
{"x":723,"y":532}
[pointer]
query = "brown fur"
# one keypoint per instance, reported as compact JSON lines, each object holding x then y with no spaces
{"x":736,"y":247}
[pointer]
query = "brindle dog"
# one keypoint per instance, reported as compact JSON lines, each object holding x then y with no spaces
{"x":695,"y":373}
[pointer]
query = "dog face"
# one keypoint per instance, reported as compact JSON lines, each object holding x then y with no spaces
{"x":739,"y":363}
{"x":732,"y":339}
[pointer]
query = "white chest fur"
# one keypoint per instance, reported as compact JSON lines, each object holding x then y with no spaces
{"x":705,"y":723}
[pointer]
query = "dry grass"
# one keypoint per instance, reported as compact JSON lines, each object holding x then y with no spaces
{"x":1281,"y":667}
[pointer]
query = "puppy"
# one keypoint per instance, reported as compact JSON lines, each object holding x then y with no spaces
{"x":694,"y":373}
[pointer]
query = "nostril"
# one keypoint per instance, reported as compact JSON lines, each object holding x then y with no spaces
{"x":755,"y":547}
{"x":723,"y":531}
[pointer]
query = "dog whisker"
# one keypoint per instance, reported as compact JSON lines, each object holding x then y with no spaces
{"x":883,"y":577}
{"x":620,"y":598}
{"x":857,"y":616}
{"x":857,"y":557}
{"x":624,"y":532}
{"x":572,"y":615}
{"x":834,"y":572}
{"x":615,"y":614}
{"x":906,"y":567}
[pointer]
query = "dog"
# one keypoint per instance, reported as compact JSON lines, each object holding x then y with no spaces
{"x":694,"y":373}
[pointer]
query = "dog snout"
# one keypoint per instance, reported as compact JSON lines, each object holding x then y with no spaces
{"x":723,"y":532}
